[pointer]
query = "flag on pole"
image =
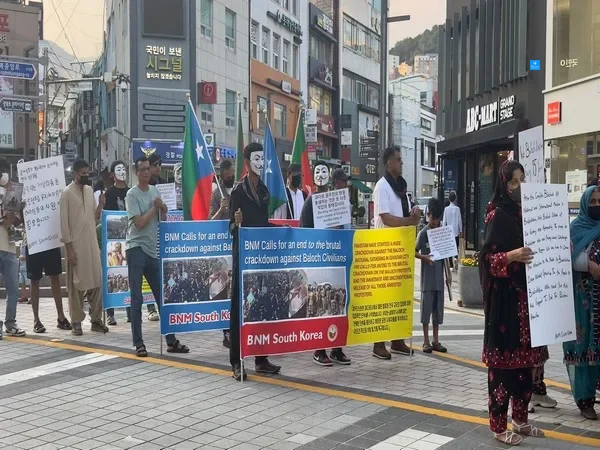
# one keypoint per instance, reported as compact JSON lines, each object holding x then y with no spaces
{"x":300,"y":155}
{"x":240,"y":166}
{"x":271,"y":174}
{"x":198,"y":170}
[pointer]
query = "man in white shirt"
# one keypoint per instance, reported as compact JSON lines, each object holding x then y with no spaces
{"x":452,"y":218}
{"x":392,"y":209}
{"x":295,"y":195}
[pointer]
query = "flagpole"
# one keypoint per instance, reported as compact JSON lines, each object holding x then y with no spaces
{"x":200,"y":128}
{"x":280,"y":173}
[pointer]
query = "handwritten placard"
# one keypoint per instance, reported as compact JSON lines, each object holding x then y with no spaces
{"x":168,"y":195}
{"x":43,"y":182}
{"x":331,"y":209}
{"x":442,"y":243}
{"x":531,"y":154}
{"x":549,"y":276}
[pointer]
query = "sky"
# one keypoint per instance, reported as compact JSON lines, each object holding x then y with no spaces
{"x":83,"y":22}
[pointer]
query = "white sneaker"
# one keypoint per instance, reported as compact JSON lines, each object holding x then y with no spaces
{"x":530,"y":408}
{"x":544,"y":401}
{"x":15,"y":331}
{"x":153,"y":316}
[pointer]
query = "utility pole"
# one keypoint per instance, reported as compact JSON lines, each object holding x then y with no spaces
{"x":44,"y":150}
{"x":383,"y":76}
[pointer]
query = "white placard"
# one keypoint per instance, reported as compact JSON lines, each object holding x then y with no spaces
{"x":549,"y":276}
{"x":43,"y":183}
{"x":310,"y":134}
{"x":576,"y":184}
{"x":310,"y":117}
{"x":531,"y":154}
{"x":346,"y":137}
{"x":442,"y":243}
{"x":331,"y":209}
{"x":168,"y":195}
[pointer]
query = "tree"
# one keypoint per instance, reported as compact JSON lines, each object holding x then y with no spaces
{"x":426,"y":42}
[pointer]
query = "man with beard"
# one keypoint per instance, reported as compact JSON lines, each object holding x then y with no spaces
{"x":392,"y":209}
{"x":249,"y":207}
{"x":324,"y":296}
{"x":219,"y":210}
{"x":296,"y":197}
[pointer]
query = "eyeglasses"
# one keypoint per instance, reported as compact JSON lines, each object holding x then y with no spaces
{"x":144,"y":169}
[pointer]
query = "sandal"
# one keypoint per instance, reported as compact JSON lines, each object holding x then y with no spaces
{"x":527,"y":429}
{"x":140,"y":351}
{"x":508,"y":438}
{"x":177,"y":347}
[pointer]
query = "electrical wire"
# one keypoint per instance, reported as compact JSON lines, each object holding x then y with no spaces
{"x":65,"y":31}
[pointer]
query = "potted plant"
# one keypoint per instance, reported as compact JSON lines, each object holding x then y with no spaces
{"x":469,"y":283}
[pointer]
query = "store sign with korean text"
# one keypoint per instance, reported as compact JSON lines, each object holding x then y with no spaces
{"x":286,"y":22}
{"x":500,"y":111}
{"x":325,"y":23}
{"x":325,"y":124}
{"x":554,"y":113}
{"x":164,"y":63}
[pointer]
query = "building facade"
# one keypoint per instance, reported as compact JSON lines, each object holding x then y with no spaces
{"x":426,"y":65}
{"x":487,"y":95}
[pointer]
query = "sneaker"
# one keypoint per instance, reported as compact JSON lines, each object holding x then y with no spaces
{"x":99,"y":327}
{"x":427,"y":348}
{"x":226,"y":340}
{"x":543,"y":400}
{"x":320,"y":358}
{"x":589,"y":413}
{"x":15,"y":331}
{"x":63,"y":324}
{"x":266,"y":367}
{"x":153,"y":316}
{"x":530,"y":408}
{"x":38,"y":327}
{"x":437,"y":347}
{"x":337,"y":356}
{"x":111,"y":320}
{"x":400,"y":348}
{"x":379,"y":351}
{"x":76,"y":329}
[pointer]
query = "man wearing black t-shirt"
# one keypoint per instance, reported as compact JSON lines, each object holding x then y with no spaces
{"x":155,"y":168}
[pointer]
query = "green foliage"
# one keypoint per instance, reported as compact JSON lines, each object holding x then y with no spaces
{"x":426,"y":42}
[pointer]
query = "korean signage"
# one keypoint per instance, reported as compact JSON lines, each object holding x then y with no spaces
{"x":369,"y":145}
{"x":88,"y":101}
{"x":164,"y":63}
{"x":325,"y":124}
{"x":170,"y":152}
{"x":289,"y":23}
{"x":500,"y":111}
{"x":426,"y":124}
{"x":554,"y":113}
{"x":310,"y":133}
{"x":325,"y":23}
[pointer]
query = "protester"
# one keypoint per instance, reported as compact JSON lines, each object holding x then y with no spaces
{"x":581,"y":355}
{"x":78,"y":218}
{"x":432,"y":281}
{"x":178,"y":179}
{"x":296,"y":196}
{"x":219,"y":209}
{"x":115,"y":201}
{"x":144,"y":207}
{"x":453,"y":218}
{"x":249,"y":207}
{"x":507,"y":348}
{"x":340,"y":181}
{"x":156,"y":166}
{"x":392,"y":209}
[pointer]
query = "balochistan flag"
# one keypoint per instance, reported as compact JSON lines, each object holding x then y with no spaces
{"x":300,"y":156}
{"x":240,"y":166}
{"x":198,"y":171}
{"x":271,"y":174}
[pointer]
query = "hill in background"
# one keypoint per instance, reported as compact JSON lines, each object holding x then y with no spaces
{"x":426,"y":42}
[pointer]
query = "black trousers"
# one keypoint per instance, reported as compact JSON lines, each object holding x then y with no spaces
{"x":505,"y":385}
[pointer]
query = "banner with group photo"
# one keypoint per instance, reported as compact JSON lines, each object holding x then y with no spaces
{"x":305,"y":289}
{"x":116,"y":293}
{"x":196,"y":262}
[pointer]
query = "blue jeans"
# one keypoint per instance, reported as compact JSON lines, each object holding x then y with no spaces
{"x":140,"y":265}
{"x":9,"y":268}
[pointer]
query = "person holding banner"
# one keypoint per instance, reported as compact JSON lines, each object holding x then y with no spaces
{"x":340,"y":181}
{"x":453,"y":218}
{"x":507,"y":350}
{"x":392,"y":209}
{"x":78,"y":218}
{"x":249,"y":207}
{"x":144,"y":208}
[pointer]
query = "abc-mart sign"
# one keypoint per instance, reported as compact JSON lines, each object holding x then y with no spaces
{"x":500,"y":111}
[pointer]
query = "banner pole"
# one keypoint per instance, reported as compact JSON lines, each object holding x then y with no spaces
{"x":161,"y":345}
{"x":411,"y":347}
{"x":242,"y":369}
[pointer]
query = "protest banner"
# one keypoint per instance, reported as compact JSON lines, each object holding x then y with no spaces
{"x":332,"y":209}
{"x":115,"y":276}
{"x":531,"y":154}
{"x":43,"y":183}
{"x":196,"y":262}
{"x":307,"y":289}
{"x":442,"y":243}
{"x":285,"y":222}
{"x":549,"y":276}
{"x":168,"y":195}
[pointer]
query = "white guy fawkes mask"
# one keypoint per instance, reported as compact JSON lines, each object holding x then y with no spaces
{"x":321,"y":175}
{"x":120,"y":173}
{"x":4,"y":179}
{"x":257,"y":161}
{"x":178,"y":173}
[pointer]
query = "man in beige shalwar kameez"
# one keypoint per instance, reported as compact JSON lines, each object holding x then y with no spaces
{"x":78,"y":216}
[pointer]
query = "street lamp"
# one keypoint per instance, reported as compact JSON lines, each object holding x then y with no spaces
{"x":415,"y":174}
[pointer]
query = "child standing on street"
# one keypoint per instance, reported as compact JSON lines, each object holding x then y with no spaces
{"x":432,"y":280}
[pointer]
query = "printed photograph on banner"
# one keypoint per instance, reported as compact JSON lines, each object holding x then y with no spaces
{"x":115,"y":254}
{"x":117,"y":280}
{"x":276,"y":295}
{"x":193,"y":280}
{"x":116,"y":227}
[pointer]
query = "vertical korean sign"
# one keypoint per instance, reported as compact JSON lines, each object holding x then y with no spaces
{"x":549,"y":276}
{"x":43,"y":183}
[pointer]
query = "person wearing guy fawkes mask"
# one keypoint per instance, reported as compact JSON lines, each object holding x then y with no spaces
{"x":9,"y":264}
{"x":249,"y":207}
{"x":296,"y":196}
{"x":340,"y":181}
{"x":219,"y":209}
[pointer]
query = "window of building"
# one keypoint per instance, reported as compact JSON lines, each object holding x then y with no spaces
{"x":423,"y":96}
{"x":347,"y":88}
{"x":324,"y":5}
{"x":359,"y":90}
{"x":266,"y":35}
{"x":230,"y":108}
{"x":321,"y":50}
{"x":279,"y":120}
{"x":285,"y":4}
{"x":254,"y":40}
{"x":373,"y":99}
{"x":361,"y":39}
{"x":296,"y":62}
{"x":261,"y":109}
{"x":361,"y":93}
{"x":285,"y":57}
{"x":206,"y":114}
{"x":229,"y":29}
{"x":276,"y":50}
{"x":347,"y":33}
{"x":319,"y":99}
{"x":428,"y":155}
{"x":206,"y":19}
{"x":294,"y":9}
{"x":575,"y":153}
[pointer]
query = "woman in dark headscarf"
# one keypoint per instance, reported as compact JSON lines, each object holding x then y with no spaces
{"x":507,"y":344}
{"x":582,"y":356}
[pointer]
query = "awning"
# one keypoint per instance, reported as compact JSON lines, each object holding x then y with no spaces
{"x":362,"y":187}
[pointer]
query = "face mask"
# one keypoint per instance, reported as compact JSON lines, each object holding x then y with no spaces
{"x":228,"y":182}
{"x":120,"y":173}
{"x":83,"y":180}
{"x":321,"y":176}
{"x":594,"y":212}
{"x":4,"y":179}
{"x":178,"y":173}
{"x":296,"y":181}
{"x":515,"y":195}
{"x":257,"y":161}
